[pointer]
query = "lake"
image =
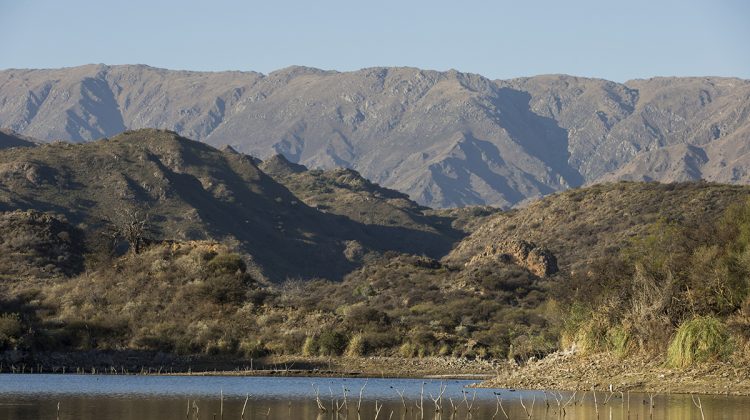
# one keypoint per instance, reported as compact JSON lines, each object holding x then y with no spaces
{"x":103,"y":397}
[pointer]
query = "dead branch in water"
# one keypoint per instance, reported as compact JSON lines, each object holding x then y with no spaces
{"x":242,"y":415}
{"x":361,"y":390}
{"x":500,"y":406}
{"x":466,"y":401}
{"x":698,"y":404}
{"x":529,"y":414}
{"x":377,"y":409}
{"x":439,"y":400}
{"x":401,"y":394}
{"x":321,"y":407}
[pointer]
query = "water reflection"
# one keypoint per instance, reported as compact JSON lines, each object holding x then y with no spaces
{"x":26,"y":397}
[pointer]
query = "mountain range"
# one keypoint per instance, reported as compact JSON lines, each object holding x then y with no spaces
{"x":447,"y":139}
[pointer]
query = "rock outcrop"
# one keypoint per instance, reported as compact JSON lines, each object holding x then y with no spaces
{"x":538,"y":260}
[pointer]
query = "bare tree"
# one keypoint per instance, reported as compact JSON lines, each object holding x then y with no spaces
{"x":131,"y":224}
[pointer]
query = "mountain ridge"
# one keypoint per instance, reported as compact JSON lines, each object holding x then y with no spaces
{"x":447,"y":139}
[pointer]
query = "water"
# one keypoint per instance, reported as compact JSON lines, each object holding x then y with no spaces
{"x":86,"y":397}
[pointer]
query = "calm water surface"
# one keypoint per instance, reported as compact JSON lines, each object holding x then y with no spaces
{"x":86,"y":397}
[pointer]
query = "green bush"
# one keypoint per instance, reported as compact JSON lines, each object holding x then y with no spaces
{"x":10,"y":329}
{"x":224,"y":289}
{"x":698,"y":340}
{"x":407,"y":350}
{"x":331,"y":343}
{"x":618,"y":341}
{"x":226,"y":264}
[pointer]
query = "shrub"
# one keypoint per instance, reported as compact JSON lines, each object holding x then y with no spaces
{"x":357,"y":346}
{"x":226,"y":264}
{"x":618,"y":341}
{"x":698,"y":340}
{"x":331,"y":343}
{"x":591,"y":337}
{"x":310,"y":346}
{"x":10,"y":329}
{"x":363,"y":316}
{"x":407,"y":350}
{"x":525,"y":346}
{"x":224,"y":289}
{"x":10,"y":325}
{"x":253,"y":348}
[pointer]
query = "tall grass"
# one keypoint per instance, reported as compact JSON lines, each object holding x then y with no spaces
{"x":698,"y":340}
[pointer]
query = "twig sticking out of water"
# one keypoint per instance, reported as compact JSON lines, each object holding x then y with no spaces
{"x":403,"y":401}
{"x":500,"y":407}
{"x":58,"y":410}
{"x":344,"y":390}
{"x":651,"y":405}
{"x":698,"y":404}
{"x":529,"y":414}
{"x":377,"y":409}
{"x":361,"y":391}
{"x":453,"y":407}
{"x":221,"y":406}
{"x":439,"y":400}
{"x":197,"y":410}
{"x":572,"y":398}
{"x":420,"y":405}
{"x":338,"y":407}
{"x":321,"y":407}
{"x":466,"y":401}
{"x":609,"y":397}
{"x":596,"y":405}
{"x":242,"y":415}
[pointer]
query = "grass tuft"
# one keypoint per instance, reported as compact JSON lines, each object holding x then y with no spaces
{"x":698,"y":340}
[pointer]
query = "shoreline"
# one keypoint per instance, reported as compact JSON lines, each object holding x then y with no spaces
{"x":558,"y":371}
{"x":147,"y":363}
{"x":572,"y":372}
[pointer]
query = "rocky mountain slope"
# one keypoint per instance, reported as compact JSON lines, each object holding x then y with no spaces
{"x":193,"y":191}
{"x":444,"y":138}
{"x":10,"y":139}
{"x":581,"y":226}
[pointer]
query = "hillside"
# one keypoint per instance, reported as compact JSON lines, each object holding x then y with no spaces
{"x":38,"y":245}
{"x":446,"y":139}
{"x":567,"y":272}
{"x":345,"y":192}
{"x":583,"y":225}
{"x":10,"y":139}
{"x":195,"y":192}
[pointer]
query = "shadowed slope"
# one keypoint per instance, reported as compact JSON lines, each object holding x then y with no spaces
{"x":194,"y":191}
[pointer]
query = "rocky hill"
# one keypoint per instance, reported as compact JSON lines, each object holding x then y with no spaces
{"x":10,"y":139}
{"x":444,"y":138}
{"x":582,"y":225}
{"x":191,"y":191}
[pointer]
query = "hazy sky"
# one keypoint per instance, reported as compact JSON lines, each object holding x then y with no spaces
{"x":617,"y":40}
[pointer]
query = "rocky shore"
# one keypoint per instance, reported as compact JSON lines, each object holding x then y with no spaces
{"x":567,"y":371}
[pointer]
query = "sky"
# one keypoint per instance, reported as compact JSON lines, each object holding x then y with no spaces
{"x":616,"y":40}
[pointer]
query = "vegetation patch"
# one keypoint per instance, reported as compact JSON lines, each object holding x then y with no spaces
{"x":700,"y":339}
